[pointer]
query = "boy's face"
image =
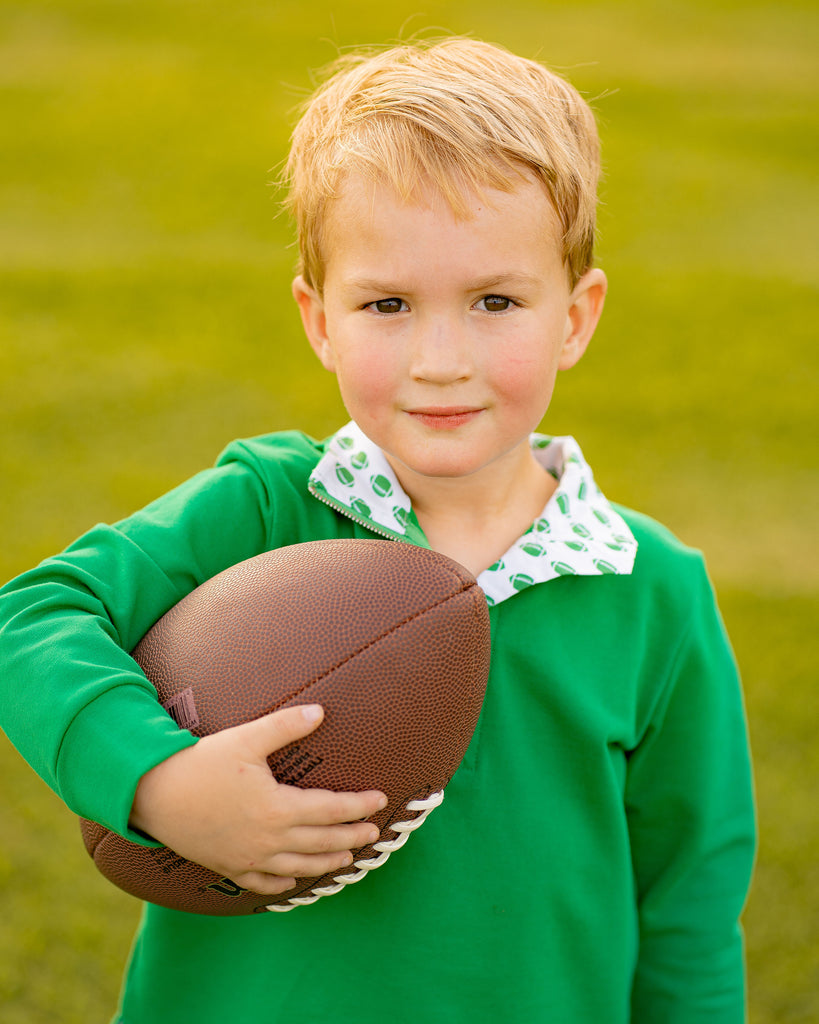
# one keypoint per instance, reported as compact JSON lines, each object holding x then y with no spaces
{"x":446,"y":336}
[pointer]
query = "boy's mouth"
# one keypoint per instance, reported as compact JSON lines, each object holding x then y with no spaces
{"x":444,"y":417}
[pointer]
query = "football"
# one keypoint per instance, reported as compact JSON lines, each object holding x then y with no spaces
{"x":391,"y":639}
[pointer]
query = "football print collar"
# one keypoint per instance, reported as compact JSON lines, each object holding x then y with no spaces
{"x":578,"y":533}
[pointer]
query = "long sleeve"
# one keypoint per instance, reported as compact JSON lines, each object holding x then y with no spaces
{"x":691,"y":821}
{"x":73,"y":701}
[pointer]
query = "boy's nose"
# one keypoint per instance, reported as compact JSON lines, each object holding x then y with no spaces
{"x":441,"y":354}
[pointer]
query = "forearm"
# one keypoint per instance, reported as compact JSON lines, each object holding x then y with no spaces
{"x":74,"y":702}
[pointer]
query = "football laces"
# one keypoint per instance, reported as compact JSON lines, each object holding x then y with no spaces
{"x":361,"y":868}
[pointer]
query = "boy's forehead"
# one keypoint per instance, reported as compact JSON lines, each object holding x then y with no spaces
{"x":367,"y":202}
{"x":374,"y":234}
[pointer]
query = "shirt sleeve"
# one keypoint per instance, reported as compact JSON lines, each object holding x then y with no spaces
{"x":691,"y":819}
{"x":74,"y":702}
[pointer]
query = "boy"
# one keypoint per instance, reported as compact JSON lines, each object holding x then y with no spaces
{"x":592,"y":856}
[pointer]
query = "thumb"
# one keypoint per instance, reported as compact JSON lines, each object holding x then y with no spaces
{"x":274,"y":731}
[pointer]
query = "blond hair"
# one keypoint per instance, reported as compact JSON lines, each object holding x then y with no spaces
{"x":458,"y":114}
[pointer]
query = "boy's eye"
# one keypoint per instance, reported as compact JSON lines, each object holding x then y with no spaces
{"x":388,"y":305}
{"x":494,"y":303}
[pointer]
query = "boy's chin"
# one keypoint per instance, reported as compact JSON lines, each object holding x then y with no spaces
{"x":460,"y":462}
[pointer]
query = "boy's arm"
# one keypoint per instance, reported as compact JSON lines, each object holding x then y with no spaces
{"x":217,"y":804}
{"x":82,"y":713}
{"x":74,"y":702}
{"x":691,"y":819}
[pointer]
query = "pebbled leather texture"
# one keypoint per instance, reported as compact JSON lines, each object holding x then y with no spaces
{"x":392,"y":639}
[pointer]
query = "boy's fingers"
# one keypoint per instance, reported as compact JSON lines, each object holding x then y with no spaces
{"x":267,"y":885}
{"x":310,"y":865}
{"x":314,"y":852}
{"x":334,"y":839}
{"x":322,"y":807}
{"x":272,"y":732}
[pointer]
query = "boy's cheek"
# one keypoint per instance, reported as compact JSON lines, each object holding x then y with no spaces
{"x":368,"y":371}
{"x":521,"y":379}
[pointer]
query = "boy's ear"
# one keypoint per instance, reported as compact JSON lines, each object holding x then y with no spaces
{"x":585,"y":306}
{"x":311,"y":307}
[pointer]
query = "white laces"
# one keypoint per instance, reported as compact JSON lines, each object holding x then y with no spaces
{"x":360,"y":868}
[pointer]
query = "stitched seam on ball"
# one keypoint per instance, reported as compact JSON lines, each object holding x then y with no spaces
{"x":371,"y":643}
{"x":385,"y":849}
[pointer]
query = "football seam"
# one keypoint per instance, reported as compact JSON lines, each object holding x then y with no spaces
{"x":468,"y":585}
{"x":359,"y":869}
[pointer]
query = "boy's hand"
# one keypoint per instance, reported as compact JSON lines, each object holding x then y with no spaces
{"x":217,"y":803}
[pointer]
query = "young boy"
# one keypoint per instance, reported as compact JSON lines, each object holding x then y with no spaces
{"x":592,"y":856}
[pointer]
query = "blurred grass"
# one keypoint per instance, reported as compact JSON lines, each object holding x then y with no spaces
{"x":146,"y":320}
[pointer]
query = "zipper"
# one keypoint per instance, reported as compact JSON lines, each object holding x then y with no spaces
{"x":350,"y":514}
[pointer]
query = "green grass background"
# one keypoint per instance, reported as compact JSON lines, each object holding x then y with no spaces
{"x":146,"y":320}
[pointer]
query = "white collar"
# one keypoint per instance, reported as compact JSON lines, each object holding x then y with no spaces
{"x":578,"y":533}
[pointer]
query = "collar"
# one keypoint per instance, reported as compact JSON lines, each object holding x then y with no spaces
{"x":578,"y":533}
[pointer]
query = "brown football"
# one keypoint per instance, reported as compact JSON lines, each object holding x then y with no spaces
{"x":392,"y":640}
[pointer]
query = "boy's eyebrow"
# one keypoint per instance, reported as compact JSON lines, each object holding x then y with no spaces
{"x":512,"y":279}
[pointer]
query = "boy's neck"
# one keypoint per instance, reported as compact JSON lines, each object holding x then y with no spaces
{"x":476,"y":519}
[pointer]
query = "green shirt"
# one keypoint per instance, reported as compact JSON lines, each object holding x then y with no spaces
{"x":592,"y":855}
